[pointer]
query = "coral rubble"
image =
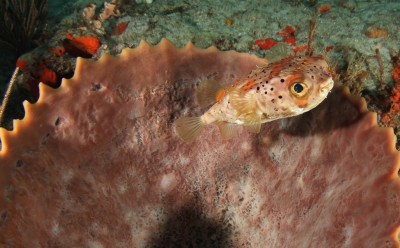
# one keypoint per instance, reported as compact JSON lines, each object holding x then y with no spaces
{"x":110,"y":9}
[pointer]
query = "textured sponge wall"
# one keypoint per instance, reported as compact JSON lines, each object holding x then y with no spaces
{"x":96,"y":163}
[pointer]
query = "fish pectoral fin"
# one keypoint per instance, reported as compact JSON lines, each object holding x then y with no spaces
{"x":188,"y":128}
{"x":242,"y":102}
{"x":254,"y":127}
{"x":254,"y":123}
{"x":227,"y":130}
{"x":208,"y":92}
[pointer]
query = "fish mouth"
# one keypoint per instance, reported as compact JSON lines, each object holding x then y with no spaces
{"x":326,"y":86}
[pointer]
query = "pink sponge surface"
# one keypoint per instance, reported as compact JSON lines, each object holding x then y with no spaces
{"x":96,"y":163}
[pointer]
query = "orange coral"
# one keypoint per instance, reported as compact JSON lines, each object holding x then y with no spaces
{"x":300,"y":49}
{"x":389,"y":119}
{"x":265,"y":44}
{"x":287,"y":32}
{"x":288,"y":35}
{"x":395,"y":98}
{"x":39,"y":72}
{"x":48,"y":76}
{"x":57,"y":51}
{"x":228,"y":22}
{"x":374,"y":32}
{"x":290,"y":40}
{"x":396,"y":74}
{"x":84,"y":47}
{"x":324,"y":9}
{"x":120,"y":28}
{"x":91,"y":44}
{"x":328,"y":48}
{"x":21,"y":64}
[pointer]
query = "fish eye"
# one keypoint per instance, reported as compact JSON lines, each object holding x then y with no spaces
{"x":298,"y":89}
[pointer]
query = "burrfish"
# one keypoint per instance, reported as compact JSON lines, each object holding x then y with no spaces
{"x":285,"y":88}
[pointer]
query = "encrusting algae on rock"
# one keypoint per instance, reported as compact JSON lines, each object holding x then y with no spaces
{"x":288,"y":87}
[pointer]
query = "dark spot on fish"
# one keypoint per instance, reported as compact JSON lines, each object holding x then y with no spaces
{"x":272,"y":89}
{"x":282,"y":80}
{"x":273,"y":100}
{"x":312,"y":76}
{"x":265,"y":92}
{"x":266,"y":81}
{"x":280,"y":97}
{"x":258,"y":88}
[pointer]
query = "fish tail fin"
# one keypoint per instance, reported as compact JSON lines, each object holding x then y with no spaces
{"x":188,"y":128}
{"x":207,"y":92}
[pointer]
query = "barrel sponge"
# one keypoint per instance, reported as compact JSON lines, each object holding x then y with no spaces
{"x":96,"y":163}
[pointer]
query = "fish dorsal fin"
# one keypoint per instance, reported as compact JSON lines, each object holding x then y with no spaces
{"x":242,"y":101}
{"x":208,"y":92}
{"x":253,"y":123}
{"x":227,"y":130}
